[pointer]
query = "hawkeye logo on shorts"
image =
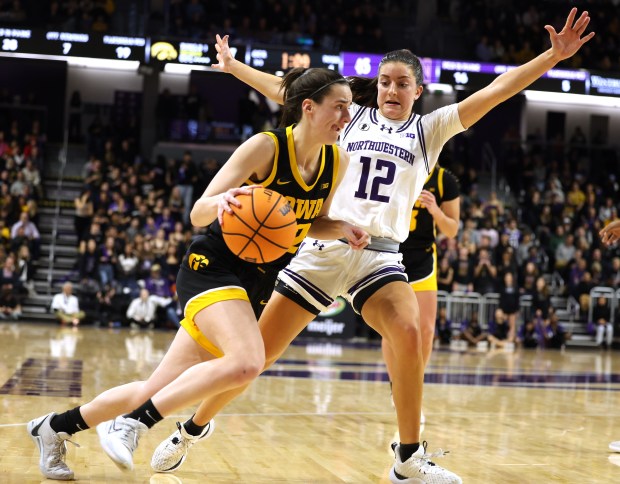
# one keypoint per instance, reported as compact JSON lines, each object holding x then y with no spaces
{"x":197,"y":262}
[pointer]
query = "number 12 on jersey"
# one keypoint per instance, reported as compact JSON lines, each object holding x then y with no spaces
{"x":384,"y":175}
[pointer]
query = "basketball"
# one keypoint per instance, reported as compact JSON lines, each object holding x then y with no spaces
{"x":262,"y":229}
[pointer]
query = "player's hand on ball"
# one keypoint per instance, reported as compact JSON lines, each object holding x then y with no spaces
{"x":358,"y":238}
{"x":229,"y":198}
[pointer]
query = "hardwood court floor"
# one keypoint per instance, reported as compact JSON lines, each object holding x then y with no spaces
{"x":323,"y":413}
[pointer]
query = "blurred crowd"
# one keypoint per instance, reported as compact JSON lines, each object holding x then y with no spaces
{"x":22,"y":149}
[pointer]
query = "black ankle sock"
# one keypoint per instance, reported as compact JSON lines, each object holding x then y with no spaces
{"x":192,"y":428}
{"x":407,"y":450}
{"x":147,"y":414}
{"x":70,"y":421}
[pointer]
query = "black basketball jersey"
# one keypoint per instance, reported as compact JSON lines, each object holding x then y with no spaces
{"x":422,"y":231}
{"x":306,"y":199}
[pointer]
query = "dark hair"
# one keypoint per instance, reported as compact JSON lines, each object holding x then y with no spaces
{"x":365,"y":89}
{"x":299,"y":84}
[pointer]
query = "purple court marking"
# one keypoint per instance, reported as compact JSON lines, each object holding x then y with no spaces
{"x":566,"y":380}
{"x":46,"y":377}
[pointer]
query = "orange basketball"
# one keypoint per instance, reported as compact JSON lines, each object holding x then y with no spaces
{"x":263,"y":229}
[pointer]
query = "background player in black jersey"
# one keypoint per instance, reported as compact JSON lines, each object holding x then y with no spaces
{"x":437,"y":208}
{"x":215,"y":286}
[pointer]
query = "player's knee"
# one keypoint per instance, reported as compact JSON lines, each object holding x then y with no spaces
{"x":406,"y":338}
{"x":246,"y":370}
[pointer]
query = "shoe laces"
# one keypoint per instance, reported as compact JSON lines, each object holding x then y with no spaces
{"x":59,"y":453}
{"x":129,"y":435}
{"x":426,"y":456}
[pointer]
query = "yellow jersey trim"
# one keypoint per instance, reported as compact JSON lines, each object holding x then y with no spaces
{"x":201,"y":302}
{"x":267,"y":181}
{"x":428,"y":283}
{"x":293,"y":159}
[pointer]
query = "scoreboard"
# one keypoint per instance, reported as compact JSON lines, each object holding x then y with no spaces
{"x":187,"y":52}
{"x":71,"y":44}
{"x":279,"y":59}
{"x":476,"y":75}
{"x":56,"y":44}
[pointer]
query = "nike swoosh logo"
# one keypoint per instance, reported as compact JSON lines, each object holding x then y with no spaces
{"x":35,"y":430}
{"x":283,"y":182}
{"x":263,"y":303}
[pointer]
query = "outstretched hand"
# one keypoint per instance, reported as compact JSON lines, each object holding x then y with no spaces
{"x":569,"y":40}
{"x":224,"y":56}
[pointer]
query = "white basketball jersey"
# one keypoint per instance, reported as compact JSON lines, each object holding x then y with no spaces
{"x":390,"y":161}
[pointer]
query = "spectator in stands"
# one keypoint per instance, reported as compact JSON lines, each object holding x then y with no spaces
{"x":555,"y":336}
{"x":142,"y":310}
{"x":160,"y":286}
{"x":601,"y":319}
{"x":443,"y":327}
{"x":10,"y":307}
{"x":88,"y":260}
{"x":445,"y":275}
{"x":67,"y":307}
{"x":127,"y":270}
{"x":185,"y":177}
{"x":541,"y":300}
{"x":473,"y":332}
{"x":25,"y":269}
{"x":509,"y":302}
{"x":612,"y":276}
{"x":485,"y":273}
{"x":463,"y":272}
{"x":527,"y":279}
{"x":529,"y":334}
{"x":499,"y":331}
{"x":30,"y":232}
{"x":108,"y":259}
{"x":107,"y":307}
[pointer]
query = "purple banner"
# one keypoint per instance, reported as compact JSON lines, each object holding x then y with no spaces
{"x":367,"y":65}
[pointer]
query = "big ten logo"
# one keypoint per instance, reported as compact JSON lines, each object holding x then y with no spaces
{"x":164,"y":51}
{"x":298,"y":59}
{"x":197,"y":262}
{"x":285,"y":209}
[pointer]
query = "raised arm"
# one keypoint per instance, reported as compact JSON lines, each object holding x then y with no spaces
{"x":563,"y":45}
{"x":267,"y":84}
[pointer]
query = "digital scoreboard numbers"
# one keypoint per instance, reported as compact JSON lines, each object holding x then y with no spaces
{"x":476,"y":75}
{"x":72,"y":44}
{"x":272,"y":59}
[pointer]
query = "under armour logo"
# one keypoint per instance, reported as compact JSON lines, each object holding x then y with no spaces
{"x":318,"y":244}
{"x":386,"y":128}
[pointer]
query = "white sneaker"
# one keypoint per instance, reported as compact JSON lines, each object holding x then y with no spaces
{"x":615,"y":446}
{"x":119,"y":438}
{"x":172,"y":452}
{"x":418,"y":468}
{"x":52,"y":446}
